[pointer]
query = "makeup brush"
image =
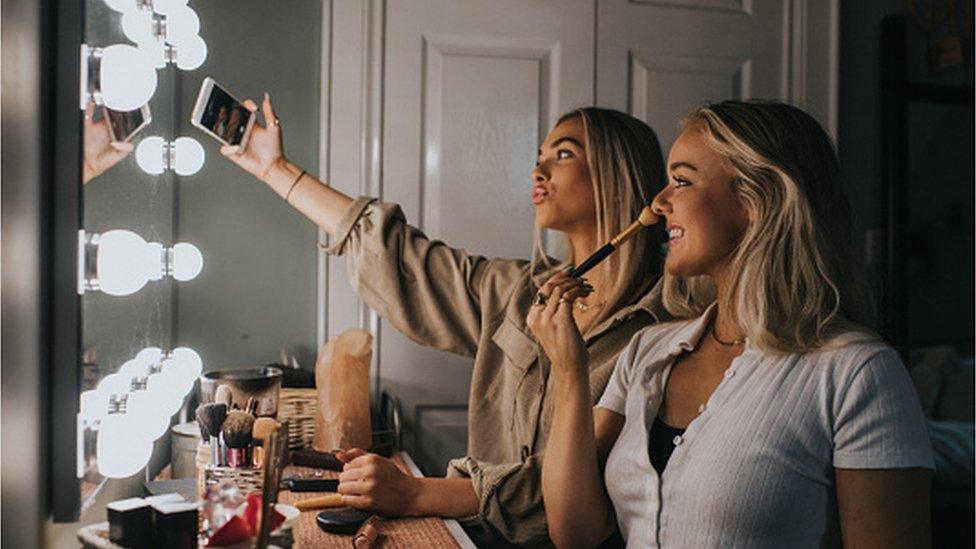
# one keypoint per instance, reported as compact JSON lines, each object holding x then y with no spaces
{"x":224,"y":395}
{"x":237,"y":436}
{"x":263,"y":426}
{"x":646,"y":218}
{"x":210,"y":417}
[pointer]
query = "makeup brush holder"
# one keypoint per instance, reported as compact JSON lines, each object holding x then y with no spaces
{"x":247,"y":479}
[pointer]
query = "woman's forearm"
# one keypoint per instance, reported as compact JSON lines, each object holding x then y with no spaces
{"x":575,"y":499}
{"x":317,"y":201}
{"x":446,"y":497}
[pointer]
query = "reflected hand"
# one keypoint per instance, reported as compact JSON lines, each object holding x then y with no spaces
{"x":264,"y":147}
{"x":553,"y":324}
{"x":100,"y":153}
{"x":375,"y":483}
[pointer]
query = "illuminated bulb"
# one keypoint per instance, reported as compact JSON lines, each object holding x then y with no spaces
{"x":149,"y":412}
{"x":188,"y":156}
{"x":191,"y":53}
{"x":113,"y":384}
{"x":166,"y":7}
{"x":94,"y":406}
{"x":151,"y":155}
{"x":182,"y":25}
{"x":167,"y":387}
{"x":151,"y":356}
{"x":134,"y":369}
{"x":124,"y":447}
{"x":185,"y":156}
{"x":127,"y":78}
{"x":137,"y":25}
{"x":185,"y":365}
{"x":121,"y":6}
{"x":126,"y":262}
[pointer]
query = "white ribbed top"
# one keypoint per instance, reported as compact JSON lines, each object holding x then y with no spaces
{"x":756,"y":467}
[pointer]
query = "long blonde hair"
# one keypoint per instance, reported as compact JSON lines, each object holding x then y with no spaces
{"x":626,"y":171}
{"x":795,"y":286}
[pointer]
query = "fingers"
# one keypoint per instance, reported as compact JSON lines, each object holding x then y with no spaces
{"x":346,"y":456}
{"x":230,"y":150}
{"x":357,"y":502}
{"x":89,"y":112}
{"x":270,"y":117}
{"x":124,"y":148}
{"x":250,"y":105}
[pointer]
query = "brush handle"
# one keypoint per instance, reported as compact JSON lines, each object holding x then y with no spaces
{"x":592,"y":261}
{"x":237,"y":457}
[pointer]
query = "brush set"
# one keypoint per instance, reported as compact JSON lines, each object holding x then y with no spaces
{"x":235,"y":435}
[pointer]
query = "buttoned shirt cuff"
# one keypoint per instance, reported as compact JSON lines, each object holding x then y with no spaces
{"x":346,"y":225}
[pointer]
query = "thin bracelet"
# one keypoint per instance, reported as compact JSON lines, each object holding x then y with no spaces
{"x":294,"y":183}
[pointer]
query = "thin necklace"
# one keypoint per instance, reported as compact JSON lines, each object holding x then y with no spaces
{"x":732,"y":343}
{"x":584,"y":307}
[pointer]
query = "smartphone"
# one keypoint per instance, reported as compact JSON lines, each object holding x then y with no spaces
{"x":123,"y":126}
{"x":219,"y":114}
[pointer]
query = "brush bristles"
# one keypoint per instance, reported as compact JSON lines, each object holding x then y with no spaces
{"x":237,"y":429}
{"x":211,"y":417}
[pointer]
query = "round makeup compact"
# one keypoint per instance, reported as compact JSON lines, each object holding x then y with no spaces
{"x":341,"y":521}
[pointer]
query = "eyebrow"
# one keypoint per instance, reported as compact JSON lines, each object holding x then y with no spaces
{"x":562,"y":140}
{"x":688,"y":165}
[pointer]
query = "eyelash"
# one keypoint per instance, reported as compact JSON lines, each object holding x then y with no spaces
{"x":569,"y":154}
{"x":679,"y":182}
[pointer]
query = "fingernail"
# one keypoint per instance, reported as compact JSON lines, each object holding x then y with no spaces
{"x":266,"y":96}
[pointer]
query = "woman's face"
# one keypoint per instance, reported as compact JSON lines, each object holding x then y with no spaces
{"x":705,"y":219}
{"x":562,"y":191}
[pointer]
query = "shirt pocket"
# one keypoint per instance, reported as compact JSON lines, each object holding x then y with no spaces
{"x":521,"y":352}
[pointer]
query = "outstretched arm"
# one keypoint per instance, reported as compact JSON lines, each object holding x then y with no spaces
{"x":264,"y":158}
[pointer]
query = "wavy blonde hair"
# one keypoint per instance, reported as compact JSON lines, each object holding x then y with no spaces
{"x":626,"y":171}
{"x":795,"y":286}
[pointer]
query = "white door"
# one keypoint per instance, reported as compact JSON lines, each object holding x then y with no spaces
{"x":440,"y":105}
{"x":658,"y":59}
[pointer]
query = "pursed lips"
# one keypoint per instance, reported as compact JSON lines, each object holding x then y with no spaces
{"x":539,"y":194}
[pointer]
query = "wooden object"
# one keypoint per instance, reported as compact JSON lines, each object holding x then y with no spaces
{"x":342,"y":382}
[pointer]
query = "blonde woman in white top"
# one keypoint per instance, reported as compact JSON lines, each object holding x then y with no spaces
{"x":770,"y":416}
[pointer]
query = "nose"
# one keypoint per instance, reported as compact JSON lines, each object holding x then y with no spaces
{"x":540,"y":174}
{"x":661,"y":205}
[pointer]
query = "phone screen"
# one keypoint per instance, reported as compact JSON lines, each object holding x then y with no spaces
{"x":125,"y":124}
{"x":224,"y":116}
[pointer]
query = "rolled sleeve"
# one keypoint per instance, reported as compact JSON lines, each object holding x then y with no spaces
{"x":427,"y":290}
{"x":510,"y":501}
{"x":615,"y":395}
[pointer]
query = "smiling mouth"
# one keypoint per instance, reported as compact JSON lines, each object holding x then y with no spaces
{"x":675,"y":234}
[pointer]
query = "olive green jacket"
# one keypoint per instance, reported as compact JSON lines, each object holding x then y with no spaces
{"x":444,"y":298}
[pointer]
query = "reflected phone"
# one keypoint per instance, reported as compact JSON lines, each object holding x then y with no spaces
{"x":219,"y":114}
{"x":124,"y":125}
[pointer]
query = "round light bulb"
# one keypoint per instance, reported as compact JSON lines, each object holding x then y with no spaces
{"x":186,"y":365}
{"x":133,"y":369}
{"x":126,"y":262}
{"x":188,"y":156}
{"x":113,"y":384}
{"x":123,"y":447}
{"x":166,"y":7}
{"x":137,"y":25}
{"x":128,"y":77}
{"x":121,"y":6}
{"x":167,"y":387}
{"x":94,"y":406}
{"x":187,"y":261}
{"x":191,"y":53}
{"x":155,"y":51}
{"x":149,"y":412}
{"x":150,"y":155}
{"x":182,"y":25}
{"x":150,"y":356}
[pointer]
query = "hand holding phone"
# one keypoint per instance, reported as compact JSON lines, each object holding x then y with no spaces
{"x":264,"y":148}
{"x":222,"y":116}
{"x":100,"y":150}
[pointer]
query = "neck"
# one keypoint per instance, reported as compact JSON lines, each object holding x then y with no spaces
{"x":583,"y":244}
{"x":723,"y":326}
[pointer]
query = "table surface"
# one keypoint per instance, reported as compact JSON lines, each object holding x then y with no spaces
{"x":429,"y":532}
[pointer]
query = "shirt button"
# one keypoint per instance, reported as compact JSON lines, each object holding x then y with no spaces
{"x":729,"y":373}
{"x":678,"y":440}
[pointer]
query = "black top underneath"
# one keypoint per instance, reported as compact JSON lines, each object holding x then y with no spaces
{"x":662,"y":443}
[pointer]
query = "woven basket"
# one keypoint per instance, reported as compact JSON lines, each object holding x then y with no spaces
{"x":298,"y":407}
{"x":247,"y":480}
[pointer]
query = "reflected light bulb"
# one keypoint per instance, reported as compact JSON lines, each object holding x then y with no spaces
{"x":150,"y":155}
{"x":148,"y":412}
{"x":123,"y":447}
{"x":113,"y":384}
{"x":126,"y":262}
{"x":121,"y":6}
{"x":186,"y":365}
{"x":128,"y":77}
{"x":191,"y":53}
{"x":94,"y":406}
{"x":150,"y":356}
{"x":166,"y":386}
{"x":134,"y":368}
{"x":182,"y":25}
{"x":188,"y":156}
{"x":165,"y":7}
{"x":137,"y":25}
{"x":187,"y":263}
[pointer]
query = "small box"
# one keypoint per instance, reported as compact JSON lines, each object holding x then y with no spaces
{"x":165,"y":498}
{"x":130,"y":523}
{"x":175,"y":525}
